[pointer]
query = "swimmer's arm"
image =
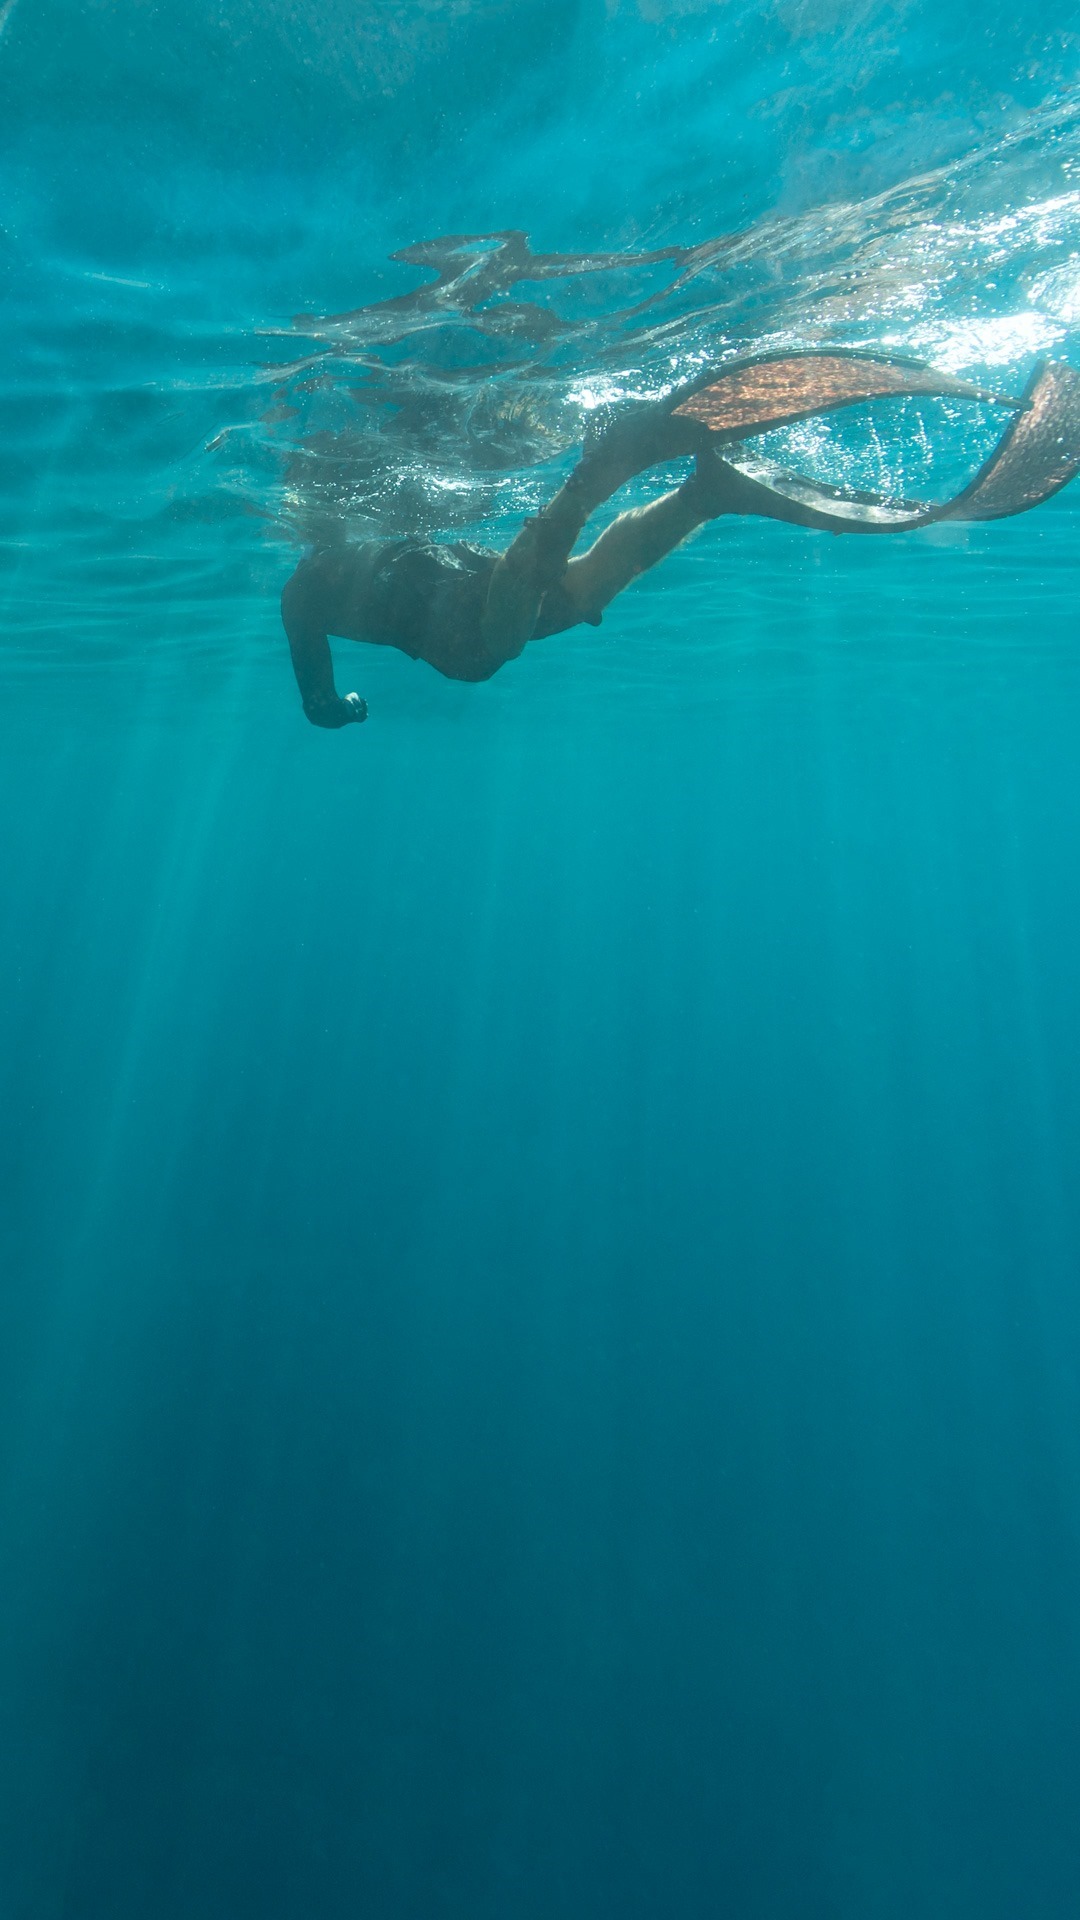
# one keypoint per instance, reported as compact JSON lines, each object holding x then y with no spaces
{"x":313,"y":666}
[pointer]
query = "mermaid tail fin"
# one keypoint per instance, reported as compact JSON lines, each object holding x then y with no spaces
{"x":1037,"y":455}
{"x":751,"y":397}
{"x":750,"y":488}
{"x":754,"y":396}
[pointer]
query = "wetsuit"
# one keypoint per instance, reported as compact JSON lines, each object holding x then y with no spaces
{"x":426,"y":598}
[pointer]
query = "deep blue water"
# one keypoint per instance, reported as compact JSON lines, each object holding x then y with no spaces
{"x":539,"y":1328}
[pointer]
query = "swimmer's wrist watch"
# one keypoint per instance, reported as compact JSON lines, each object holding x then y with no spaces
{"x":331,"y":710}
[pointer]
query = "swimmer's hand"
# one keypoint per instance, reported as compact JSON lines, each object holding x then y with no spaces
{"x":335,"y":712}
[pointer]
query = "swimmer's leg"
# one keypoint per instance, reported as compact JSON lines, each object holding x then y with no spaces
{"x":540,"y":555}
{"x":518,"y":583}
{"x":630,"y":546}
{"x":644,"y":535}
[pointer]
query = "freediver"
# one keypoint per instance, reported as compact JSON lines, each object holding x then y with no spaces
{"x":466,"y":611}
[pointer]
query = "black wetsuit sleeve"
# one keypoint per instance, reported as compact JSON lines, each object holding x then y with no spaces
{"x":306,"y":627}
{"x":308,"y":615}
{"x":310,"y":649}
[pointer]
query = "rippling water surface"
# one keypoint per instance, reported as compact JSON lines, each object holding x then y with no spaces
{"x":696,"y":181}
{"x":539,"y":1347}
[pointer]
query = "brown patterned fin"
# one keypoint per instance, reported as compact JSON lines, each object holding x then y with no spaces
{"x":1039,"y":453}
{"x":757,"y":395}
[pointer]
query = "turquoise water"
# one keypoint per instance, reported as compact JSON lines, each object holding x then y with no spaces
{"x":539,"y":1334}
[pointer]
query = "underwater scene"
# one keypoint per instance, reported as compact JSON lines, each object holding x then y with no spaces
{"x":540,"y":1234}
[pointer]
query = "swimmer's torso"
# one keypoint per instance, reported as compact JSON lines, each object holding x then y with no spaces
{"x":426,"y":598}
